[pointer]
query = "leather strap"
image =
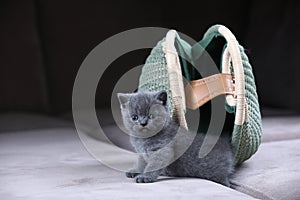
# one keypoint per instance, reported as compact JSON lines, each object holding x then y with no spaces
{"x":198,"y":92}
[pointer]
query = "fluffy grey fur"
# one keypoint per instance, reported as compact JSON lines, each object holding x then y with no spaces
{"x":166,"y":149}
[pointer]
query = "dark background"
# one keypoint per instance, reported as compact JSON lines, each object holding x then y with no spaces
{"x":43,"y":43}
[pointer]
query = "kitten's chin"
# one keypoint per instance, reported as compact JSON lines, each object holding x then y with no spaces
{"x":144,"y":133}
{"x":144,"y":130}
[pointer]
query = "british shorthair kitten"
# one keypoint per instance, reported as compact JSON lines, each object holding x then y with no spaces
{"x":166,"y":149}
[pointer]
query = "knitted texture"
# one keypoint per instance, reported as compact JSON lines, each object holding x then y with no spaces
{"x":247,"y":138}
{"x":154,"y":76}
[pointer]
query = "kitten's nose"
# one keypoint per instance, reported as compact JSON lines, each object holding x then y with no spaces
{"x":143,"y":124}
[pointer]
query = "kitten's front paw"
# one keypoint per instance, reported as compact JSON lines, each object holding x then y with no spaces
{"x":131,"y":174}
{"x":144,"y":179}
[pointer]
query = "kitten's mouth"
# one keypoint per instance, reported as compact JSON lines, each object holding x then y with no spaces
{"x":144,"y":132}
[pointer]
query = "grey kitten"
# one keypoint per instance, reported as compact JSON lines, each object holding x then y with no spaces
{"x":164,"y":147}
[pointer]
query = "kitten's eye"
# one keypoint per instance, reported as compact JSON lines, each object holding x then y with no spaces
{"x":134,"y":117}
{"x":150,"y":116}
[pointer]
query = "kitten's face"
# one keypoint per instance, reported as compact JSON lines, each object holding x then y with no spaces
{"x":144,"y":114}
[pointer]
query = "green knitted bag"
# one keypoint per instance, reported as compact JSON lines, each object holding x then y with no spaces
{"x":163,"y":70}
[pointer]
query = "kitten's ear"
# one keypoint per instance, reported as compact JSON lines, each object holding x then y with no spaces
{"x":123,"y":99}
{"x":162,"y":96}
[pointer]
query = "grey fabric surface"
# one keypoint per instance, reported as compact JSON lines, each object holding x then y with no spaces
{"x":53,"y":164}
{"x":272,"y":173}
{"x":281,"y":128}
{"x":42,"y":158}
{"x":118,"y":137}
{"x":14,"y":121}
{"x":277,"y":112}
